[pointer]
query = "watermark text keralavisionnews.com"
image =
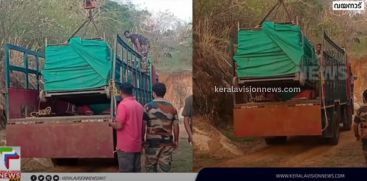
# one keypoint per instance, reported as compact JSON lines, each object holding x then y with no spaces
{"x":348,"y":5}
{"x":310,"y":176}
{"x":250,"y":89}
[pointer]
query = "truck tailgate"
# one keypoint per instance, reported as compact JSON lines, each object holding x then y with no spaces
{"x":277,"y":120}
{"x":62,"y":139}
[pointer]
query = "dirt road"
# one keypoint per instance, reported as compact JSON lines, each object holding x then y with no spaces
{"x":298,"y":152}
{"x":304,"y":152}
{"x":181,"y":163}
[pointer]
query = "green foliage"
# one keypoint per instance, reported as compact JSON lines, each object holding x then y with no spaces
{"x":176,"y":58}
{"x":30,"y":22}
{"x":171,"y":42}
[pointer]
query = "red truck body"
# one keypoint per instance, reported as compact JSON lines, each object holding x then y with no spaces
{"x":53,"y":136}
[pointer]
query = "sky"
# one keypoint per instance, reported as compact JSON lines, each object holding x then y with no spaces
{"x":180,"y":8}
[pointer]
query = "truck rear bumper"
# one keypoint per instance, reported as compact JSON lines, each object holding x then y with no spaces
{"x":277,"y":120}
{"x":62,"y":140}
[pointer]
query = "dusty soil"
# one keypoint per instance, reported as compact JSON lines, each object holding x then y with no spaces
{"x":298,"y":152}
{"x":359,"y":69}
{"x":179,"y":86}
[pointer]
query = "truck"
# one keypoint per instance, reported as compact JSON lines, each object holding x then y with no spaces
{"x":48,"y":121}
{"x":277,"y":57}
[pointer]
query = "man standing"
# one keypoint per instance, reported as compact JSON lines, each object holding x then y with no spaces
{"x":129,"y":128}
{"x":319,"y":53}
{"x":360,"y":124}
{"x":318,"y":49}
{"x":162,"y":132}
{"x":187,"y":114}
{"x":140,"y":42}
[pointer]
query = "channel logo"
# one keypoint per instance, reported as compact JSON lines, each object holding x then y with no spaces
{"x":10,"y":163}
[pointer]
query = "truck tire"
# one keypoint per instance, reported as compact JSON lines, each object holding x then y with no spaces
{"x":65,"y":161}
{"x":3,"y":120}
{"x":347,"y":119}
{"x":334,"y":139}
{"x":276,"y":140}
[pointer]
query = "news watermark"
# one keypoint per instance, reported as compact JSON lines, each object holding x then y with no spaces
{"x":348,"y":5}
{"x":327,"y":73}
{"x":310,"y":176}
{"x":10,"y":163}
{"x":250,"y":89}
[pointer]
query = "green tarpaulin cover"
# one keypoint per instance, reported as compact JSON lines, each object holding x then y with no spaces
{"x":79,"y":65}
{"x":274,"y":50}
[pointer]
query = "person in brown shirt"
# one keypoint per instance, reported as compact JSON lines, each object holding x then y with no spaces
{"x":360,"y":124}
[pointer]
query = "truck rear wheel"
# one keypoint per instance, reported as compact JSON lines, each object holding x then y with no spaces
{"x":3,"y":119}
{"x":334,"y":139}
{"x":276,"y":140}
{"x":65,"y":161}
{"x":347,"y":119}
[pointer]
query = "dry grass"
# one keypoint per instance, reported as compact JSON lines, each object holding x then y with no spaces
{"x":212,"y":67}
{"x":179,"y":86}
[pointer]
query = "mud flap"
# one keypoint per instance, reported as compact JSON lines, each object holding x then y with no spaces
{"x":62,"y":140}
{"x":332,"y":132}
{"x":278,"y":120}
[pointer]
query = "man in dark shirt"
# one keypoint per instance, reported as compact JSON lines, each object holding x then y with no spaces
{"x":360,"y":124}
{"x":141,"y":45}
